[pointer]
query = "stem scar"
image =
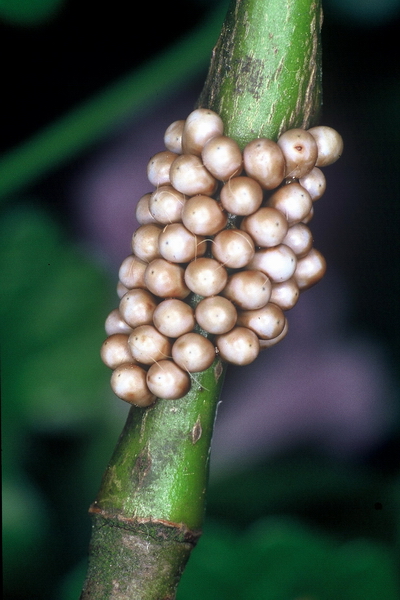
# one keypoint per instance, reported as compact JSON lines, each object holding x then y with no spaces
{"x":196,"y":431}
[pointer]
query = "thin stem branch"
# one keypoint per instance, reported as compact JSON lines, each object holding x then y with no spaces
{"x":264,"y":77}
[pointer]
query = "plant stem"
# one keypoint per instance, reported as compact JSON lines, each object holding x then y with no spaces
{"x":264,"y":77}
{"x":265,"y":72}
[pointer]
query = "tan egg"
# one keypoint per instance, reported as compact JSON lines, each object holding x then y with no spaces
{"x":299,"y":239}
{"x":264,"y":161}
{"x":145,"y":242}
{"x":143,"y":214}
{"x":216,"y":314}
{"x":329,"y":143}
{"x":241,"y":196}
{"x":285,"y":294}
{"x":166,"y":204}
{"x":205,"y":276}
{"x":115,"y":351}
{"x":239,"y":346}
{"x":233,"y":248}
{"x":202,"y":215}
{"x":293,"y":201}
{"x":128,"y":382}
{"x":310,"y":269}
{"x":249,"y":289}
{"x":148,"y":345}
{"x":222,"y":157}
{"x":300,"y":151}
{"x":200,"y":126}
{"x":166,"y":380}
{"x":122,"y":289}
{"x":131,"y":272}
{"x":116,"y":324}
{"x":159,"y":166}
{"x":178,"y":244}
{"x":264,"y":344}
{"x":315,"y":183}
{"x":193,"y":352}
{"x":278,"y":262}
{"x":173,"y":136}
{"x":266,"y":322}
{"x":166,"y":279}
{"x":173,"y":317}
{"x":267,"y":226}
{"x":137,"y":306}
{"x":189,"y":176}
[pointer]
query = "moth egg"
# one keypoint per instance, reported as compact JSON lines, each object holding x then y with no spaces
{"x":128,"y":382}
{"x":173,"y":136}
{"x":173,"y":318}
{"x":278,"y":262}
{"x":115,"y":351}
{"x":264,"y":344}
{"x":222,"y":157}
{"x":200,"y":126}
{"x":264,"y":161}
{"x":166,"y":380}
{"x":300,"y":151}
{"x":189,"y":176}
{"x":203,"y":215}
{"x":142,"y":213}
{"x":178,"y":244}
{"x":137,"y":306}
{"x":193,"y":352}
{"x":285,"y":294}
{"x":205,"y":276}
{"x":310,"y":269}
{"x":329,"y":143}
{"x":131,"y":272}
{"x":239,"y":346}
{"x":122,"y":289}
{"x":145,"y":242}
{"x":159,"y":166}
{"x":266,"y":322}
{"x":165,"y":279}
{"x":216,"y":314}
{"x":148,"y":345}
{"x":233,"y":248}
{"x":116,"y":324}
{"x":249,"y":289}
{"x":299,"y":239}
{"x":293,"y":201}
{"x":267,"y":226}
{"x":315,"y":183}
{"x":166,"y":204}
{"x":241,"y":196}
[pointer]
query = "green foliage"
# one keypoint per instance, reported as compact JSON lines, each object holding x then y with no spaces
{"x":52,"y":309}
{"x":29,"y":12}
{"x":281,"y":559}
{"x":54,"y":391}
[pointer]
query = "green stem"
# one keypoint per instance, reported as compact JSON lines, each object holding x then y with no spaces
{"x":265,"y":73}
{"x":264,"y":77}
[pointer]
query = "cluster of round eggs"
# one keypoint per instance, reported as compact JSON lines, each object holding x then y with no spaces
{"x":221,"y":252}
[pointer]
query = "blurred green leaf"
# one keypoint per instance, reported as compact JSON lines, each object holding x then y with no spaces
{"x":29,"y":12}
{"x":56,"y":410}
{"x":339,"y":496}
{"x":281,"y":559}
{"x":26,"y":530}
{"x":96,"y":117}
{"x":52,"y":307}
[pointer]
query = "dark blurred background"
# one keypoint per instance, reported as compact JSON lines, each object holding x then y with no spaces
{"x":305,"y":462}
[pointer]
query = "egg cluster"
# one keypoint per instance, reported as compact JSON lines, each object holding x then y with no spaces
{"x":222,"y":250}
